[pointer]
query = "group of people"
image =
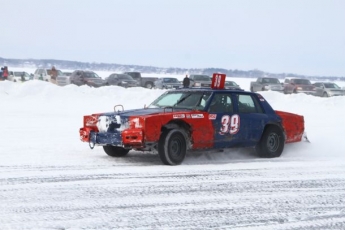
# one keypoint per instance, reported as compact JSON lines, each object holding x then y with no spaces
{"x":4,"y":73}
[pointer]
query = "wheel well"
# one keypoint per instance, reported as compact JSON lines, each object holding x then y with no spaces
{"x":179,"y":124}
{"x":276,"y":125}
{"x":148,"y":82}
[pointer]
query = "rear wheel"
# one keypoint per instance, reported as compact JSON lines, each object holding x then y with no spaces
{"x":115,"y":151}
{"x":172,"y":146}
{"x":271,"y":143}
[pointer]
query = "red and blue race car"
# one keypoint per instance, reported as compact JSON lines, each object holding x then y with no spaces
{"x":195,"y":119}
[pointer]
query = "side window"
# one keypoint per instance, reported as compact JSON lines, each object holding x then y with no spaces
{"x":247,"y":104}
{"x":286,"y":81}
{"x":221,"y":103}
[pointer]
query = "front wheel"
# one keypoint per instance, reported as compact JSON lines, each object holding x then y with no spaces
{"x":115,"y":151}
{"x":325,"y":94}
{"x":172,"y":146}
{"x":149,"y":85}
{"x":271,"y":143}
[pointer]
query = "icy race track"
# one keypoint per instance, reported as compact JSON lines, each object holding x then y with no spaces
{"x":242,"y":194}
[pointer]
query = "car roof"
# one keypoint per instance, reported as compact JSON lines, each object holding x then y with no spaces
{"x":203,"y":89}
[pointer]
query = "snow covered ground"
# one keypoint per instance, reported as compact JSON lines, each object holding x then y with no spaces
{"x":49,"y":179}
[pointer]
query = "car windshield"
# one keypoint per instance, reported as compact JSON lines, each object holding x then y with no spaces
{"x":301,"y":81}
{"x":186,"y":100}
{"x":230,"y":83}
{"x":124,"y":77}
{"x":170,"y":80}
{"x":270,"y":80}
{"x":90,"y":75}
{"x":332,"y":86}
{"x":202,"y":78}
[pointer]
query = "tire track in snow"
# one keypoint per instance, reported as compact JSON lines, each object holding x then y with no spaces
{"x":287,"y":197}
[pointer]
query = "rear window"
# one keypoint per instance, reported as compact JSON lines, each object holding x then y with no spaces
{"x":202,"y":78}
{"x":301,"y":81}
{"x":248,"y":104}
{"x":270,"y":80}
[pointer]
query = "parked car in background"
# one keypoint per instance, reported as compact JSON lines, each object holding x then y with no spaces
{"x":86,"y":77}
{"x":298,"y":85}
{"x":265,"y":84}
{"x":121,"y":79}
{"x":200,"y":80}
{"x":232,"y":85}
{"x":328,"y":89}
{"x":67,"y":73}
{"x":61,"y":79}
{"x":18,"y":76}
{"x":167,"y":83}
{"x":42,"y":74}
{"x":45,"y":75}
{"x":147,"y":82}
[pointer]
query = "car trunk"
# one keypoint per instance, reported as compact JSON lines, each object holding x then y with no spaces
{"x":293,"y":125}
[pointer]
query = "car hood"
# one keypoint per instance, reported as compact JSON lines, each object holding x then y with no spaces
{"x":176,"y":83}
{"x":306,"y":87}
{"x":336,"y":90}
{"x":142,"y":112}
{"x":130,"y":81}
{"x":95,"y":80}
{"x":62,"y":76}
{"x":272,"y":84}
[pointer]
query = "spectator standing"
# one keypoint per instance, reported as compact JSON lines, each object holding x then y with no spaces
{"x":53,"y":75}
{"x":186,"y":82}
{"x":5,"y":73}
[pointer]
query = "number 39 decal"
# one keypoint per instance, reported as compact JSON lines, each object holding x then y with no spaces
{"x":230,"y":124}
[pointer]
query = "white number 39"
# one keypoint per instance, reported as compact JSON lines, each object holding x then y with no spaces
{"x":230,"y":124}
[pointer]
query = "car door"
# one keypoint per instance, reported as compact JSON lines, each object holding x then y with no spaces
{"x":319,"y":89}
{"x":258,"y":85}
{"x":251,"y":119}
{"x":225,"y":121}
{"x":110,"y":80}
{"x":78,"y":78}
{"x":287,"y":86}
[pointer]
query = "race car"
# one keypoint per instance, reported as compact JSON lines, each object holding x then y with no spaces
{"x":195,"y":119}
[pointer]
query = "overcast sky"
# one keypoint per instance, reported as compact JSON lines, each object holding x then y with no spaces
{"x":291,"y":36}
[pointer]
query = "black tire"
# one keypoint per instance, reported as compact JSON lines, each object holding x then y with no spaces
{"x":271,"y":143}
{"x":115,"y":151}
{"x":172,"y":146}
{"x":325,"y":94}
{"x":149,"y":85}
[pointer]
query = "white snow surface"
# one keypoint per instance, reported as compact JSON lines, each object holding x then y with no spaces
{"x":49,"y":179}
